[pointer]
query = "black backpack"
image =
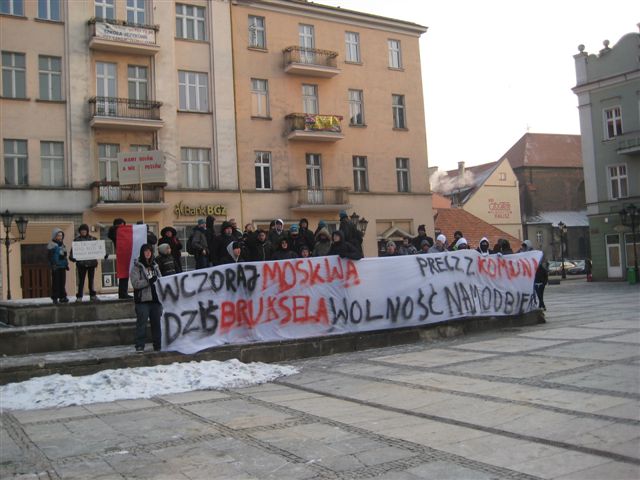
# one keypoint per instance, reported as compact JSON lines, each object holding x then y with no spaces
{"x":190,"y":249}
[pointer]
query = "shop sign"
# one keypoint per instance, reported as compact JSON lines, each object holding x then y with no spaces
{"x":499,"y":209}
{"x":180,"y":209}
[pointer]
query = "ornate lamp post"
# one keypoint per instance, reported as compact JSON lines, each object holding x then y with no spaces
{"x":359,"y":223}
{"x":563,"y":234}
{"x":21,"y":223}
{"x":630,"y":217}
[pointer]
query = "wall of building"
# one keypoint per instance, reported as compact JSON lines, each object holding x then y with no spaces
{"x":550,"y":189}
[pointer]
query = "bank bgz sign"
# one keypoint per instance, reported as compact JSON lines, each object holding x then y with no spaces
{"x":291,"y":299}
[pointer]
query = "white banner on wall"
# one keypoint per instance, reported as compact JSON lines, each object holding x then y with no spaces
{"x":290,"y":299}
{"x":125,"y":33}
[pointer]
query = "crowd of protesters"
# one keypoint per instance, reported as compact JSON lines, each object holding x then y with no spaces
{"x":231,"y":245}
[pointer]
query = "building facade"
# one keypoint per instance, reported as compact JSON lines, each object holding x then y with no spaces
{"x":330,"y":117}
{"x":488,"y":191}
{"x":608,"y":90}
{"x":84,"y":80}
{"x":551,"y":181}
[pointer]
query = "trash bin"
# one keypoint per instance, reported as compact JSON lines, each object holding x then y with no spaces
{"x":631,"y":276}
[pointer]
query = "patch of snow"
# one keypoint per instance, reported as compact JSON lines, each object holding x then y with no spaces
{"x":48,"y":301}
{"x":141,"y":382}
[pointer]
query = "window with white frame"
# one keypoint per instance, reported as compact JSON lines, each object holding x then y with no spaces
{"x":402,"y":174}
{"x":49,"y":10}
{"x":613,"y":122}
{"x":356,"y":107}
{"x":50,"y":73}
{"x":259,"y":98}
{"x":14,"y":75}
{"x":360,"y":179}
{"x":12,"y":7}
{"x":618,"y":187}
{"x":190,"y":22}
{"x":108,"y":161}
{"x":52,"y":158}
{"x":263,"y":170}
{"x":310,"y":99}
{"x":15,"y":162}
{"x":352,"y":46}
{"x":395,"y":53}
{"x":138,"y":82}
{"x":257,"y":34}
{"x":196,"y":168}
{"x":105,"y":9}
{"x":399,"y":113}
{"x":194,"y":91}
{"x":136,"y":12}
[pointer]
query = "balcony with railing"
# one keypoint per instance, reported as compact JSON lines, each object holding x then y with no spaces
{"x":123,"y":37}
{"x":106,"y":195}
{"x":331,"y":199}
{"x":629,"y":143}
{"x":118,"y":113}
{"x":314,"y":127}
{"x":311,"y":62}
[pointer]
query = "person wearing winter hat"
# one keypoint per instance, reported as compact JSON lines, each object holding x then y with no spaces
{"x":169,"y":236}
{"x":84,"y":268}
{"x":440,"y":245}
{"x":424,"y":246}
{"x":390,"y":249}
{"x":234,"y":253}
{"x":223,"y":240}
{"x":165,"y":260}
{"x":422,"y":235}
{"x":199,"y":245}
{"x":342,"y":248}
{"x":323,"y":241}
{"x":59,"y":263}
{"x":283,"y":252}
{"x":483,"y":248}
{"x":526,"y":246}
{"x":461,"y":244}
{"x":308,"y":235}
{"x":349,"y":231}
{"x":277,"y":233}
{"x":457,"y":235}
{"x":144,"y":275}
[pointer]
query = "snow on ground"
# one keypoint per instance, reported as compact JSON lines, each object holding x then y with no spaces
{"x":47,"y":301}
{"x":131,"y":383}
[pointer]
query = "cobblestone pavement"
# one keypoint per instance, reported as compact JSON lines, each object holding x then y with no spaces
{"x":559,"y":400}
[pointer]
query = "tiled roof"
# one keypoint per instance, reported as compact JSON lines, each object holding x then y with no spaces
{"x":448,"y":220}
{"x":545,"y":150}
{"x":440,"y":201}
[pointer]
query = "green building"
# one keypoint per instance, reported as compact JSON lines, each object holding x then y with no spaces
{"x":608,"y":90}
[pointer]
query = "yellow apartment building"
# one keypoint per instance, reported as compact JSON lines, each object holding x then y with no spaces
{"x":262,"y":110}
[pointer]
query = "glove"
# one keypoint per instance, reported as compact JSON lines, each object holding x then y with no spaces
{"x":153,"y":280}
{"x":67,"y":267}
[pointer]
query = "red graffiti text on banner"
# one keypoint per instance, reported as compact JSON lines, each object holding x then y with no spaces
{"x":306,"y":273}
{"x":504,"y":267}
{"x":297,"y":309}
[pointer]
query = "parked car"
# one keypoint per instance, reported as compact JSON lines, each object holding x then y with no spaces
{"x":555,"y":267}
{"x":578,"y":269}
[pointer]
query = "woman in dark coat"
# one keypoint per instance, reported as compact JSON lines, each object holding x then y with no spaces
{"x":284,"y":252}
{"x":169,"y":235}
{"x":343,"y":248}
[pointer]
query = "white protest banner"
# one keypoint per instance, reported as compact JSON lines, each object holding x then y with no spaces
{"x":135,"y":168}
{"x":89,"y":250}
{"x":301,"y":298}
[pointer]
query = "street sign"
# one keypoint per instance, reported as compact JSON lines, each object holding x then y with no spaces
{"x":135,"y":168}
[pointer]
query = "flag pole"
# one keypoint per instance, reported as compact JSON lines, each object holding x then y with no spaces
{"x":141,"y":190}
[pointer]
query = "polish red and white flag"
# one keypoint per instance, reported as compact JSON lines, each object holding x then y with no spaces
{"x":129,"y":239}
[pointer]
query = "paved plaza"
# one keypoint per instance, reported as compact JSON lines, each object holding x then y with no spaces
{"x":559,"y":400}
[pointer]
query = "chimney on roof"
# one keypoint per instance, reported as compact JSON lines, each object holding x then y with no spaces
{"x":460,"y":170}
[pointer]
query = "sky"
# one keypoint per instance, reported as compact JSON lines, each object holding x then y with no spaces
{"x":494,"y":70}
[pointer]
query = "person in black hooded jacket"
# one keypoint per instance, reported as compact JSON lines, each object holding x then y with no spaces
{"x":343,"y":248}
{"x":169,"y":235}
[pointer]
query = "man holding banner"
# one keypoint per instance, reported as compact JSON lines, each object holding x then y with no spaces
{"x":85,"y":267}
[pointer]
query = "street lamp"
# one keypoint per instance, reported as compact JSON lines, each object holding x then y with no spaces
{"x":563,"y":233}
{"x":21,"y":223}
{"x":359,"y":223}
{"x":630,"y":217}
